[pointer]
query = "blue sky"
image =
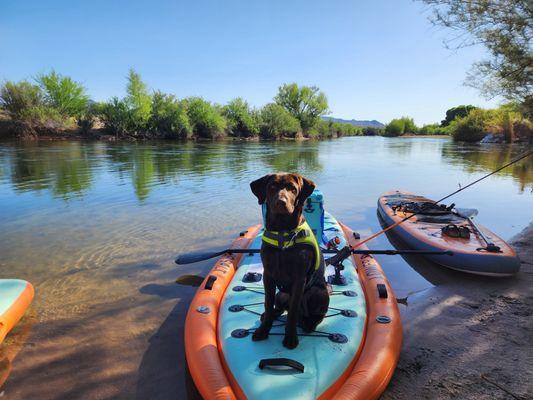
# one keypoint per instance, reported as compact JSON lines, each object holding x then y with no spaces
{"x":373,"y":59}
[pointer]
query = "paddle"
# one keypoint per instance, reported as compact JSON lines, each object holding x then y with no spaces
{"x":190,"y":258}
{"x":491,"y":247}
{"x":465,"y":212}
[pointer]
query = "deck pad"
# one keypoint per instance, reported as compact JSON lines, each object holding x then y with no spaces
{"x":324,"y":359}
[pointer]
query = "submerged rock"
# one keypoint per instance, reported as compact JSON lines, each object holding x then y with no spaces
{"x":493,"y":138}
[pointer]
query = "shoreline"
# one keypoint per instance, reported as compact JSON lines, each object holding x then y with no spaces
{"x":469,"y":339}
{"x":104,"y":137}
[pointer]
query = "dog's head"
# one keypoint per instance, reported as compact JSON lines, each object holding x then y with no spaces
{"x":283,"y":193}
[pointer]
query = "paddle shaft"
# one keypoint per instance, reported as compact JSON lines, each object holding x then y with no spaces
{"x":386,"y":252}
{"x":339,"y":254}
{"x":481,"y":234}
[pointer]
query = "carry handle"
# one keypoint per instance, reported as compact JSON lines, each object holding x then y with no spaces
{"x":281,"y":362}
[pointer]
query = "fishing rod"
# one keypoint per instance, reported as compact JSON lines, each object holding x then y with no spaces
{"x":375,"y":235}
{"x":341,"y":254}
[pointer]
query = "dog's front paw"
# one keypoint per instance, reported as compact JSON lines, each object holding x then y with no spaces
{"x":261,"y":333}
{"x":290,"y":341}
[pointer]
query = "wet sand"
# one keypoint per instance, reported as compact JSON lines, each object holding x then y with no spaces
{"x":469,"y":340}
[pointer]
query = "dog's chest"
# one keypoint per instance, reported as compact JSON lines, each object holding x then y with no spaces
{"x":287,"y":266}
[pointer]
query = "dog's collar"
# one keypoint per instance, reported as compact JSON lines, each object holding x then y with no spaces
{"x":286,"y":239}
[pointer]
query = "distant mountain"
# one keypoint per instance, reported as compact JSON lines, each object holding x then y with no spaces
{"x":354,"y":122}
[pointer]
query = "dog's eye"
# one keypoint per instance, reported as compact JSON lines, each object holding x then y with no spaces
{"x":292,"y":189}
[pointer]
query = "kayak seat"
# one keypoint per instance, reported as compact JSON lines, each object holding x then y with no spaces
{"x":314,"y":214}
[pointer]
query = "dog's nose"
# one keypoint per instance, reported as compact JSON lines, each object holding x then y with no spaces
{"x":281,"y":202}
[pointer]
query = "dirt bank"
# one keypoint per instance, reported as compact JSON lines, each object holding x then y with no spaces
{"x":461,"y":341}
{"x":470,"y":339}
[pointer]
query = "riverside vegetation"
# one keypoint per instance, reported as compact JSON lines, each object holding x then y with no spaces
{"x":56,"y":105}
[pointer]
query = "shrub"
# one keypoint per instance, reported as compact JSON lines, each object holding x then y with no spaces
{"x":17,"y":98}
{"x":62,"y":93}
{"x":169,"y":117}
{"x":345,"y":129}
{"x":277,"y":122}
{"x":325,"y":129}
{"x":87,"y":119}
{"x":400,"y":126}
{"x":115,"y":116}
{"x":394,"y":128}
{"x":372,"y":131}
{"x":433,"y":129}
{"x":205,"y":119}
{"x":242,"y":120}
{"x":471,"y":128}
{"x":329,"y":129}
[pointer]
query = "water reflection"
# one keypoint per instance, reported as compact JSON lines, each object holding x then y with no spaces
{"x":67,"y":169}
{"x":486,"y":158}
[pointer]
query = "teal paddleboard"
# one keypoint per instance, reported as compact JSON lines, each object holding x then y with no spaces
{"x":15,"y":297}
{"x":325,"y":354}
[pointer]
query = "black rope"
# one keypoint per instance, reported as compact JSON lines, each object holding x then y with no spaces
{"x":252,"y":304}
{"x":332,"y":315}
{"x":255,"y":291}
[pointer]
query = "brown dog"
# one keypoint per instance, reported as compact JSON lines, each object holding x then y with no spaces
{"x":296,"y":268}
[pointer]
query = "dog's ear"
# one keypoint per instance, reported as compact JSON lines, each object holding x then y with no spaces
{"x":259,"y":188}
{"x":306,"y":189}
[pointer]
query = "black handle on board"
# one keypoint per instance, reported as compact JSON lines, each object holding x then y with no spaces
{"x":281,"y":362}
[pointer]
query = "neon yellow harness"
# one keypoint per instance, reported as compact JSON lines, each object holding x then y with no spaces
{"x":287,"y":239}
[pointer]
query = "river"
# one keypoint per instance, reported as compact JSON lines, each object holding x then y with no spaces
{"x":95,"y":227}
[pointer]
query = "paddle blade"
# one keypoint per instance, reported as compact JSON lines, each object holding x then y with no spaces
{"x":466,"y":212}
{"x":190,"y":258}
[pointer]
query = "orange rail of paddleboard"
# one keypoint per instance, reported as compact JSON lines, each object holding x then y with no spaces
{"x":15,"y":312}
{"x":201,"y":346}
{"x":382,"y":344}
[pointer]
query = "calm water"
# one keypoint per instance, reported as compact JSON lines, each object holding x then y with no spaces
{"x":95,"y":226}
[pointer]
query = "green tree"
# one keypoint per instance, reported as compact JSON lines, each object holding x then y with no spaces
{"x":138,"y":101}
{"x":505,"y":29}
{"x":277,"y":122}
{"x":454,"y":112}
{"x":64,"y":94}
{"x":205,"y":119}
{"x":242,"y":120}
{"x":471,"y":128}
{"x":306,"y":103}
{"x":169,"y":117}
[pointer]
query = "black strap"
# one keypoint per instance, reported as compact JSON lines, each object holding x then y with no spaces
{"x":281,"y":362}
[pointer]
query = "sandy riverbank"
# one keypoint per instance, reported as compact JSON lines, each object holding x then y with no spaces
{"x":470,"y":339}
